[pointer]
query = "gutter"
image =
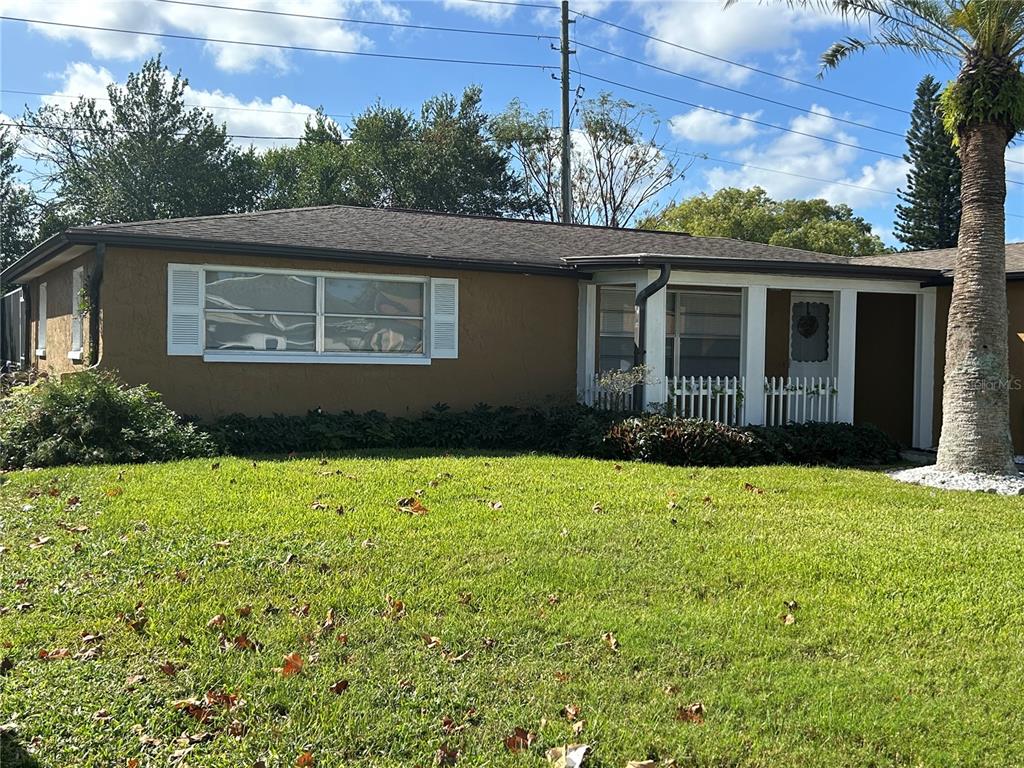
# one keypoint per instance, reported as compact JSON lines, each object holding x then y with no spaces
{"x":95,"y":281}
{"x":640,"y":342}
{"x":756,"y":266}
{"x":80,"y":236}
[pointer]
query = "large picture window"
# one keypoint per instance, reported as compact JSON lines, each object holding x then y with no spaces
{"x":296,"y":313}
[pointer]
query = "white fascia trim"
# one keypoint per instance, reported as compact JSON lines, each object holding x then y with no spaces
{"x":256,"y":357}
{"x":685,"y":278}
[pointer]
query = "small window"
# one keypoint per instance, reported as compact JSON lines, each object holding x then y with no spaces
{"x":260,"y":312}
{"x":616,"y":326}
{"x":41,"y":323}
{"x":77,"y":300}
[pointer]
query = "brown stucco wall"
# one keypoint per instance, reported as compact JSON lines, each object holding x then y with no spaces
{"x":517,"y":345}
{"x":884,"y":387}
{"x":1015,"y":311}
{"x":776,"y":343}
{"x":58,"y":312}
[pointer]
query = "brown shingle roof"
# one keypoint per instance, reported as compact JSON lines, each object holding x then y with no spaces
{"x":439,"y":235}
{"x":941,"y":259}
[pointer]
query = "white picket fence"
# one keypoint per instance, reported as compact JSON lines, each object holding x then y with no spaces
{"x":707,"y":398}
{"x":787,"y":399}
{"x":605,"y":399}
{"x":795,"y":400}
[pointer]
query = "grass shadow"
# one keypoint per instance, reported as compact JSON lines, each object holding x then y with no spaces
{"x":13,"y":753}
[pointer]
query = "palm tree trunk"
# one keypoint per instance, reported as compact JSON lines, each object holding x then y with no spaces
{"x":975,"y":395}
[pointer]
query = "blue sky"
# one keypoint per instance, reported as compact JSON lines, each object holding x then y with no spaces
{"x":272,"y":91}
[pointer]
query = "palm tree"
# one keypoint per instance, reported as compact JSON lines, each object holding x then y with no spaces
{"x":983,"y":110}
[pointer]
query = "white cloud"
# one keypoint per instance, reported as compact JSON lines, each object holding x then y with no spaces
{"x":276,"y":116}
{"x":212,"y":23}
{"x":486,"y":11}
{"x":735,"y":33}
{"x":803,"y":156}
{"x":705,"y":127}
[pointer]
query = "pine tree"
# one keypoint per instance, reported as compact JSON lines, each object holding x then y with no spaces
{"x":931,"y":216}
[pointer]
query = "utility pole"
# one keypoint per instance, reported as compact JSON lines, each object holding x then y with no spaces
{"x":566,"y":139}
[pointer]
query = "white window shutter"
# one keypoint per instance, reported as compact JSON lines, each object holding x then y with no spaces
{"x":444,"y":317}
{"x":184,"y":309}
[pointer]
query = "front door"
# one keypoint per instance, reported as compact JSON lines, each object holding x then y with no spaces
{"x":811,"y":337}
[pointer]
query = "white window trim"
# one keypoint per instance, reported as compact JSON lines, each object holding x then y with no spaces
{"x":349,"y":358}
{"x":76,"y":353}
{"x":43,"y":312}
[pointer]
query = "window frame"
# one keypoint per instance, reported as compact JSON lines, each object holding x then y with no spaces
{"x":43,"y":313}
{"x":319,"y":355}
{"x":77,"y":322}
{"x":677,"y":336}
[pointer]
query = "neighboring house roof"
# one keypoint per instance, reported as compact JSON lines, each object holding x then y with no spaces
{"x":476,"y":242}
{"x":941,"y":259}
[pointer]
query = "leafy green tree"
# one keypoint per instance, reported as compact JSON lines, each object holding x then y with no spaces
{"x":17,"y":204}
{"x":442,"y":160}
{"x":930,"y":217}
{"x":147,"y":156}
{"x":749,"y":214}
{"x":983,"y":109}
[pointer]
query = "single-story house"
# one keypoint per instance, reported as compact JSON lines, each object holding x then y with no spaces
{"x":342,"y":308}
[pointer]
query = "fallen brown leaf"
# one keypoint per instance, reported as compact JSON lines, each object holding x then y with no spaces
{"x":446,"y":755}
{"x":395,"y":608}
{"x":217,"y":621}
{"x":293,"y":665}
{"x":610,"y":640}
{"x":752,"y":488}
{"x":40,"y":541}
{"x":55,"y":655}
{"x":101,"y":715}
{"x":571,"y":712}
{"x":244,"y":610}
{"x":305,"y":760}
{"x":412,"y":506}
{"x":691,"y":713}
{"x":519,"y":740}
{"x":339,"y":687}
{"x":168,"y":668}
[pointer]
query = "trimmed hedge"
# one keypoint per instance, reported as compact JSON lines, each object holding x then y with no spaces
{"x":571,"y":430}
{"x":92,"y":418}
{"x":842,"y":445}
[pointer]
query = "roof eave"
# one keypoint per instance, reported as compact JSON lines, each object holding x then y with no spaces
{"x":122,"y":239}
{"x":758,"y":266}
{"x":41,"y":253}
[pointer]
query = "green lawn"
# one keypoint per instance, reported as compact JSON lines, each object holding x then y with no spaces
{"x":905,"y":650}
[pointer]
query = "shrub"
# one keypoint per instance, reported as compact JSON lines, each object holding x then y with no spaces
{"x":687,"y":442}
{"x":844,"y":445}
{"x":92,"y":418}
{"x":572,"y":430}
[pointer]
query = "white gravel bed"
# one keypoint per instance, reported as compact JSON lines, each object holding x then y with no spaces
{"x":961,"y":481}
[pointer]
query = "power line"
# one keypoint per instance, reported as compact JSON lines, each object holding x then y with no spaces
{"x":374,"y":22}
{"x":748,"y":67}
{"x":279,"y":46}
{"x":186,"y":104}
{"x":738,"y":91}
{"x":754,"y":121}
